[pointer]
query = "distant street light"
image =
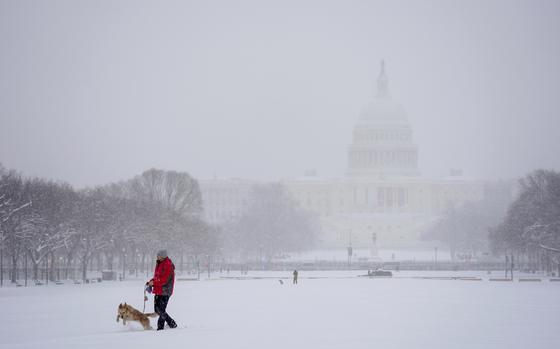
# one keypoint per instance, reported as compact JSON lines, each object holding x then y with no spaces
{"x":208,"y":259}
{"x":136,"y":258}
{"x":2,"y":259}
{"x":349,"y":248}
{"x":123,"y":263}
{"x":435,"y":258}
{"x":112,"y":245}
{"x":25,"y":269}
{"x":60,"y":260}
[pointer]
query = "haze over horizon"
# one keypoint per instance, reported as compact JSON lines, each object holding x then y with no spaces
{"x":94,"y":92}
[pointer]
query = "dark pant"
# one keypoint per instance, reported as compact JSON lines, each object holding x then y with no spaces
{"x":160,"y":304}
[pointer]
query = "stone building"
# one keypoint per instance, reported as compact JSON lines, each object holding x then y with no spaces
{"x":382,"y":201}
{"x":225,"y":200}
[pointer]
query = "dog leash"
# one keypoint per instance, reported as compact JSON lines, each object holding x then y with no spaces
{"x":145,"y":299}
{"x":147,"y":288}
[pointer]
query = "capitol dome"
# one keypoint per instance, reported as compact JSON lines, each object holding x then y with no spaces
{"x":382,"y":138}
{"x":383,"y":110}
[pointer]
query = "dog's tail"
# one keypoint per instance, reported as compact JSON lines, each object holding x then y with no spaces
{"x":151,"y":314}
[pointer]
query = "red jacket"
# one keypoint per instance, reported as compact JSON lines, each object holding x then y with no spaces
{"x":164,"y":277}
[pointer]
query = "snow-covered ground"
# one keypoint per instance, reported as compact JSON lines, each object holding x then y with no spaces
{"x":338,"y":311}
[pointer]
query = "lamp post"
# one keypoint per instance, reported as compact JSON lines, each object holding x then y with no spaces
{"x":146,"y":264}
{"x":511,"y":267}
{"x":26,"y":268}
{"x":198,"y":268}
{"x":136,"y":257}
{"x":507,"y":262}
{"x":47,"y":269}
{"x":349,"y":248}
{"x":112,"y":256}
{"x":60,"y":260}
{"x":123,"y":263}
{"x":374,"y":252}
{"x":2,"y":259}
{"x":208,"y":259}
{"x":435,"y":257}
{"x":84,"y":261}
{"x":47,"y":264}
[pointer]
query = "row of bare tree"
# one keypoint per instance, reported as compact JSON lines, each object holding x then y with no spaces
{"x":531,"y":226}
{"x":274,"y":225}
{"x":41,"y":219}
{"x":464,"y":228}
{"x":527,"y":226}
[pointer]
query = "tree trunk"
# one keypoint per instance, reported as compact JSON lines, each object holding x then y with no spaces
{"x":14,"y":272}
{"x":452,"y":251}
{"x":182,"y":261}
{"x":52,"y":275}
{"x":35,"y":269}
{"x":110,"y":258}
{"x":99,"y":262}
{"x":69,"y":259}
{"x":84,"y":269}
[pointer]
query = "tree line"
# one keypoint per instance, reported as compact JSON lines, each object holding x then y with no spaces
{"x":526,"y":226}
{"x":531,"y":227}
{"x":52,"y":225}
{"x":47,"y":221}
{"x":273,"y":226}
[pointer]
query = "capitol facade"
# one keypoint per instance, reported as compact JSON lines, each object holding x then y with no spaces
{"x":382,"y":201}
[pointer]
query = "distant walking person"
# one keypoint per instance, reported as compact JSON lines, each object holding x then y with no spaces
{"x":162,"y":282}
{"x":295,"y":273}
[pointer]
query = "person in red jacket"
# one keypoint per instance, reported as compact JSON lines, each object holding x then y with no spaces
{"x":162,"y":283}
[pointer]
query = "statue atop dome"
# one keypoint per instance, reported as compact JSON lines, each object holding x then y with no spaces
{"x":383,"y":108}
{"x":382,"y":83}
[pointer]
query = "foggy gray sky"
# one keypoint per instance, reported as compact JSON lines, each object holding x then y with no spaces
{"x":96,"y":91}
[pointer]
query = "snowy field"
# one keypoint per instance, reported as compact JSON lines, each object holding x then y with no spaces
{"x":340,"y":311}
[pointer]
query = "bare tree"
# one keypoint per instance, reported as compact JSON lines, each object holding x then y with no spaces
{"x":172,"y":205}
{"x":464,"y":229}
{"x":158,"y":209}
{"x":94,"y":225}
{"x":13,"y":206}
{"x":274,"y":224}
{"x":12,"y":200}
{"x":532,"y":219}
{"x":177,"y":191}
{"x":46,"y":228}
{"x":532,"y":223}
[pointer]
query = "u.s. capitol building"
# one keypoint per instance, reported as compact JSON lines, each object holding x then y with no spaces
{"x":382,"y":201}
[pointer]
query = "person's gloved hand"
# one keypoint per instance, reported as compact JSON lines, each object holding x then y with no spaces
{"x":148,"y":288}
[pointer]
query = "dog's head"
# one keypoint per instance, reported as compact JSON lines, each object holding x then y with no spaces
{"x":121,"y":311}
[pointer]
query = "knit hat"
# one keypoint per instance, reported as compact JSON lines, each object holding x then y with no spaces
{"x":162,"y":253}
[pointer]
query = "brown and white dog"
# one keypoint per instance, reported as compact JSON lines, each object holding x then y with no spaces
{"x":129,"y":313}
